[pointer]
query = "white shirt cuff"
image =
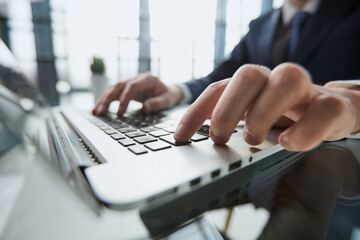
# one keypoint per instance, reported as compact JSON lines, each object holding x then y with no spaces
{"x":187,"y":95}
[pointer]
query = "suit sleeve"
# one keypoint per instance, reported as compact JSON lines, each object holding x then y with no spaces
{"x":225,"y":70}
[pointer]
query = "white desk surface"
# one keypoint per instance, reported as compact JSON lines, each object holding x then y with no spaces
{"x":35,"y":203}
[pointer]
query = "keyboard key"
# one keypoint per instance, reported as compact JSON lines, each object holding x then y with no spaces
{"x":126,"y":142}
{"x":127,"y":129}
{"x":198,"y":137}
{"x":204,"y":130}
{"x":156,"y":146}
{"x":97,"y":122}
{"x":170,"y":129}
{"x":149,"y":129}
{"x":138,"y":149}
{"x":145,"y":139}
{"x":143,"y":124}
{"x":104,"y":127}
{"x":117,"y":136}
{"x":117,"y":125}
{"x":159,"y":133}
{"x":162,"y":125}
{"x":170,"y":139}
{"x":135,"y":134}
{"x":136,"y":123}
{"x":110,"y":131}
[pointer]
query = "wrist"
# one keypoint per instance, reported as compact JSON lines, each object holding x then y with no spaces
{"x":176,"y":92}
{"x":350,"y":90}
{"x":355,"y":98}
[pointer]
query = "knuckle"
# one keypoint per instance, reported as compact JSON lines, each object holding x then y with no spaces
{"x":131,"y":86}
{"x":290,"y":77}
{"x":135,"y":84}
{"x":214,"y":87}
{"x":249,"y":73}
{"x":117,"y":85}
{"x":148,"y":77}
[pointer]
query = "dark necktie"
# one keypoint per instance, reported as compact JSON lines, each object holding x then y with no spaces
{"x":296,"y":24}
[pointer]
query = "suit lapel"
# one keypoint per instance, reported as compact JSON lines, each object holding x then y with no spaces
{"x":266,"y":38}
{"x":319,"y":25}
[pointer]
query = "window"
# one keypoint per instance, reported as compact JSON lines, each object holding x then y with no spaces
{"x":182,"y":36}
{"x":93,"y":28}
{"x":21,"y":35}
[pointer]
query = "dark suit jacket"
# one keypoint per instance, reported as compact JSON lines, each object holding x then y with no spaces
{"x":329,"y":45}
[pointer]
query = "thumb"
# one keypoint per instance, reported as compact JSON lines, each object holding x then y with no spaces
{"x":159,"y":103}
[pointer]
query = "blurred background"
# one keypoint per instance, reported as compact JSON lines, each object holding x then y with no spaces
{"x":55,"y":40}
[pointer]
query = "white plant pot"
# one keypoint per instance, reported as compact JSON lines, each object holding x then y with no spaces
{"x":99,"y":83}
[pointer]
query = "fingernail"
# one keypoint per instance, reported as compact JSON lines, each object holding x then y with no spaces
{"x":216,"y":139}
{"x":250,"y":139}
{"x":178,"y":132}
{"x":285,"y":143}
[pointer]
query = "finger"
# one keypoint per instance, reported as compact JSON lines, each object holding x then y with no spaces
{"x":199,"y":111}
{"x":322,"y":121}
{"x":130,"y":90}
{"x":244,"y":86}
{"x":353,"y":85}
{"x":139,"y":89}
{"x":288,"y":86}
{"x":111,"y":94}
{"x":158,"y":103}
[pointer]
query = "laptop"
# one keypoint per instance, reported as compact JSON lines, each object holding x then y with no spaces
{"x":129,"y":161}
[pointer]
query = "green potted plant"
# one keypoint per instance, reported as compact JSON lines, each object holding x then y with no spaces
{"x":99,"y":81}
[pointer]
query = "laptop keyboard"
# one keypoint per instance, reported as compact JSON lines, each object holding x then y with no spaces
{"x":17,"y":83}
{"x":144,"y":133}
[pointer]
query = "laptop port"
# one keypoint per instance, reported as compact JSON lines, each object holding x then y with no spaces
{"x":235,"y":165}
{"x":215,"y":173}
{"x":194,"y":182}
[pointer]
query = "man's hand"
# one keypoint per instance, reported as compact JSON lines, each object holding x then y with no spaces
{"x":263,"y":98}
{"x":144,"y":88}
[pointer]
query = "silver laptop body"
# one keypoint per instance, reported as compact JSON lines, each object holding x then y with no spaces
{"x":90,"y":159}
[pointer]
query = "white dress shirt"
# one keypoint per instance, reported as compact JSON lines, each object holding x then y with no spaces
{"x":289,"y":10}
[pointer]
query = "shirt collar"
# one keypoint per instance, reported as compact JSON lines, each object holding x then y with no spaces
{"x":289,"y":10}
